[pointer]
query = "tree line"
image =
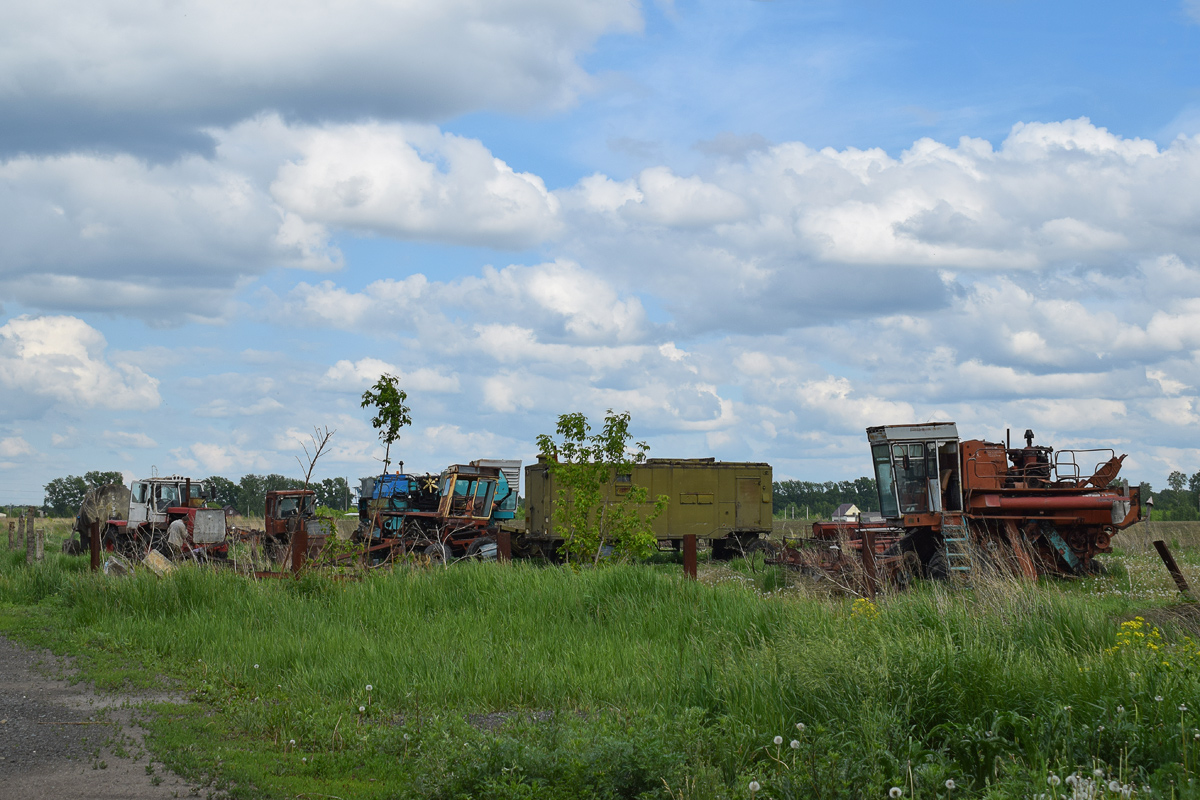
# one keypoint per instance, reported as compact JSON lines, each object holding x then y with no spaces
{"x":1180,"y":501}
{"x":248,"y":495}
{"x":820,"y":500}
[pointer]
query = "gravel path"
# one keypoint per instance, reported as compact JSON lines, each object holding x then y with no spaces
{"x":59,"y":740}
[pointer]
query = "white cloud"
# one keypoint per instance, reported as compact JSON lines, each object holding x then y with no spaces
{"x":62,"y":360}
{"x":14,"y":446}
{"x":127,"y":439}
{"x":358,"y":375}
{"x":215,"y":61}
{"x":115,"y":233}
{"x":414,"y":182}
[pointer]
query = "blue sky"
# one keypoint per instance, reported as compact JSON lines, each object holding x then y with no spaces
{"x":758,"y":226}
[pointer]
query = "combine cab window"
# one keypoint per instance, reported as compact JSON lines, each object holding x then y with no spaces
{"x":883,"y":479}
{"x":141,"y":493}
{"x":909,"y":463}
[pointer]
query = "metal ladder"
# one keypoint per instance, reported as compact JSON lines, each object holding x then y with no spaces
{"x":956,"y":541}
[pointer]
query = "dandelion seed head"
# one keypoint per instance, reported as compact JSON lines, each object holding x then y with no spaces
{"x":369,"y":687}
{"x":1114,"y":786}
{"x":778,"y":740}
{"x":754,"y":787}
{"x":1183,"y":707}
{"x":256,"y":666}
{"x":895,"y":792}
{"x":950,"y":783}
{"x":1158,"y":698}
{"x":800,"y":727}
{"x":292,"y":742}
{"x":795,"y":745}
{"x":361,"y":709}
{"x":1120,"y":709}
{"x":1054,"y":780}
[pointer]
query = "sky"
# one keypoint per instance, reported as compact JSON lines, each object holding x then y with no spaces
{"x":758,"y":227}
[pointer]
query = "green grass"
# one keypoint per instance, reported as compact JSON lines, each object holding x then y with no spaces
{"x":519,"y":681}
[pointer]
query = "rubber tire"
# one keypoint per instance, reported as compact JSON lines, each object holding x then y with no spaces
{"x":438,"y":553}
{"x":759,"y":546}
{"x":937,"y":568}
{"x":480,"y":543}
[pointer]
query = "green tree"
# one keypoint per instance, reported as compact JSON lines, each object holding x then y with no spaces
{"x":221,"y":491}
{"x":391,"y":414}
{"x":1177,"y":480}
{"x":597,"y":502}
{"x":332,"y":493}
{"x":98,"y":478}
{"x":65,"y":495}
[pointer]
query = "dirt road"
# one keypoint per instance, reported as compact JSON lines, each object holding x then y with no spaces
{"x":59,"y":740}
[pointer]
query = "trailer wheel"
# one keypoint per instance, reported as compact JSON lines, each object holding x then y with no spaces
{"x":438,"y":553}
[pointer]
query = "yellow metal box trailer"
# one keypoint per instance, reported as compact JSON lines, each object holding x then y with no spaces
{"x":726,"y":502}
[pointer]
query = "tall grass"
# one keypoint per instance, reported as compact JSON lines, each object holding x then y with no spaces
{"x":959,"y":678}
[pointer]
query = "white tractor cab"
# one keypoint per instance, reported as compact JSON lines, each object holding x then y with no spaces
{"x":168,"y":507}
{"x":917,"y":468}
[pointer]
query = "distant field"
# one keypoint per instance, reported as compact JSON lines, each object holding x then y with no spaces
{"x":529,"y":681}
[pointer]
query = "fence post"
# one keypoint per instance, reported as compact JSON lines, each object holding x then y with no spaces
{"x":299,"y":547}
{"x":868,"y":559}
{"x":30,"y":548}
{"x":39,"y":538}
{"x":94,"y":546}
{"x":1173,"y":568}
{"x":689,"y":555}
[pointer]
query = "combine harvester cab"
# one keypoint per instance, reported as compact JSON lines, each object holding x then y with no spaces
{"x":1030,"y":510}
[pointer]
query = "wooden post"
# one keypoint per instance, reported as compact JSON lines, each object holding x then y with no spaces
{"x":39,"y":539}
{"x":503,"y":545}
{"x":94,"y":546}
{"x":1173,"y":568}
{"x":689,"y":555}
{"x":868,"y":559}
{"x":29,"y":545}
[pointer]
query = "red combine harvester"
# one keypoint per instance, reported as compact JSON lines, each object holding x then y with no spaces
{"x":948,"y":504}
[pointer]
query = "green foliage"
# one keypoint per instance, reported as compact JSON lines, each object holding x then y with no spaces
{"x":822,"y":499}
{"x":252,"y":491}
{"x":100,"y":478}
{"x":391,"y":414}
{"x":598,"y":505}
{"x":332,"y":493}
{"x":1179,"y":503}
{"x":222,"y":491}
{"x":630,"y":682}
{"x":65,"y":495}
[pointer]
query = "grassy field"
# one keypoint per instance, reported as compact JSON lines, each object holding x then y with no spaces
{"x":525,"y":681}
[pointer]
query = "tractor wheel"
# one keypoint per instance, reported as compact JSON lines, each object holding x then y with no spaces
{"x":438,"y":553}
{"x":937,"y":568}
{"x":483,"y":548}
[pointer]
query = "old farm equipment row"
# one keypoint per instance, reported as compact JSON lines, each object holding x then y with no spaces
{"x":453,"y":515}
{"x":950,"y":507}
